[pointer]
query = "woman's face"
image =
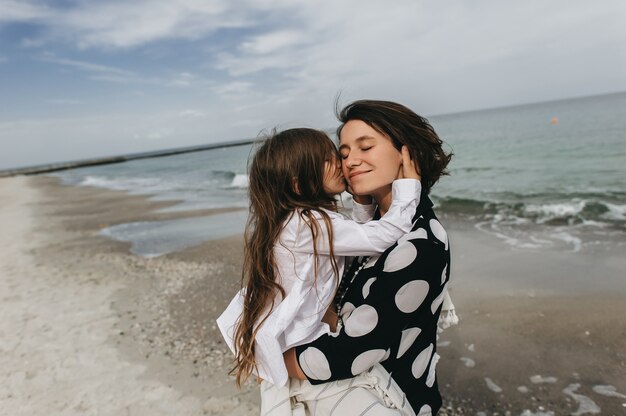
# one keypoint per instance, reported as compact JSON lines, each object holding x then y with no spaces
{"x":370,"y":162}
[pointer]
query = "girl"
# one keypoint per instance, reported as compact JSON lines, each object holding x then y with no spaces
{"x":295,"y":241}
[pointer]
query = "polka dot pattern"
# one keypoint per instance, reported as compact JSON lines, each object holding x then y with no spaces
{"x":438,"y":300}
{"x":411,"y":295}
{"x":362,"y":321}
{"x":408,"y":338}
{"x":314,"y":364}
{"x":347,"y":310}
{"x":414,"y":235}
{"x":421,"y":362}
{"x":425,"y":410}
{"x":430,"y":380}
{"x":366,"y":286}
{"x":365,"y":360}
{"x":401,"y":256}
{"x":439,"y":232}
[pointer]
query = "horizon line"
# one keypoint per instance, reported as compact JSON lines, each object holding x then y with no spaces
{"x":170,"y":151}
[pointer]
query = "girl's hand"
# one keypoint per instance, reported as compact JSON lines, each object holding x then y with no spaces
{"x":331,"y":318}
{"x":408,"y":169}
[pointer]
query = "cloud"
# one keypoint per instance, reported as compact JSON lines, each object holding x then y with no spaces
{"x":272,"y":42}
{"x":233,"y":88}
{"x":108,"y":73}
{"x":301,"y":48}
{"x":157,"y":135}
{"x":183,"y":79}
{"x":439,"y":55}
{"x":123,"y":24}
{"x":23,"y":11}
{"x":237,"y":66}
{"x":64,"y":101}
{"x":87,"y":66}
{"x":192,"y":114}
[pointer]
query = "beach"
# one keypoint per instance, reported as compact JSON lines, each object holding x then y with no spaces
{"x":90,"y":328}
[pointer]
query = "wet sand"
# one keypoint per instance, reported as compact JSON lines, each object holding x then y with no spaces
{"x":89,"y":328}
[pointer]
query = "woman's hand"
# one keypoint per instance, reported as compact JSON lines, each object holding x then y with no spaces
{"x":408,"y":169}
{"x":291,"y":362}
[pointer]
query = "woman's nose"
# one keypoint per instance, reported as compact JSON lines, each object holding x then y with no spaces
{"x":352,"y":161}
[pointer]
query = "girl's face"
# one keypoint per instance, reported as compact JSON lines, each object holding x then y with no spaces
{"x":370,"y":162}
{"x":334,"y":183}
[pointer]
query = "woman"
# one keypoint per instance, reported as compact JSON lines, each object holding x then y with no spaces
{"x":388,"y":306}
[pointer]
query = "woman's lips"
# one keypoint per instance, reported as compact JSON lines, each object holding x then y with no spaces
{"x":357,"y":174}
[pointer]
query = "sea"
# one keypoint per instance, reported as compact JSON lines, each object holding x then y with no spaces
{"x":539,"y":176}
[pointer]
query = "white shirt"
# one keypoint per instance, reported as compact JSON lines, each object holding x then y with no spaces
{"x":297,"y":319}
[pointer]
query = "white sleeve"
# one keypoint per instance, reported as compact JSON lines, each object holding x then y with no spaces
{"x":362,"y":213}
{"x":227,"y":321}
{"x":269,"y":352}
{"x":353,"y":239}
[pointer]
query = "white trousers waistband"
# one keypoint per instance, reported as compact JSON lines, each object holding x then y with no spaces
{"x":372,"y":393}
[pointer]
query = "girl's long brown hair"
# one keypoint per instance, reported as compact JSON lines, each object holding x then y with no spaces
{"x":286,"y":178}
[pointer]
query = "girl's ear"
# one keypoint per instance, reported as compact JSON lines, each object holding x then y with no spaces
{"x":294,"y":185}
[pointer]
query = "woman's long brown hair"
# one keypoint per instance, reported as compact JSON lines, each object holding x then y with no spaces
{"x":403,"y":127}
{"x":286,"y":178}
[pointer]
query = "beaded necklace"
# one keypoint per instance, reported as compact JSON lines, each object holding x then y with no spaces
{"x":348,"y":277}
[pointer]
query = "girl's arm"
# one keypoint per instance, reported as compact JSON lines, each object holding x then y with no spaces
{"x":374,"y":237}
{"x":353,"y":239}
{"x":362,"y":211}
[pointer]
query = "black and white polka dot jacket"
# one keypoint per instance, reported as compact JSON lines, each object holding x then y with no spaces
{"x":389,"y":314}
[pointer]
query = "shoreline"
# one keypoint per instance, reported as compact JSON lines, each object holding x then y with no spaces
{"x":144,"y":333}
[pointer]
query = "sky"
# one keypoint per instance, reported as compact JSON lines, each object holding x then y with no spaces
{"x":81,"y":78}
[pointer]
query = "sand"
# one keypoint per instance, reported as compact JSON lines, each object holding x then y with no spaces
{"x":89,"y":328}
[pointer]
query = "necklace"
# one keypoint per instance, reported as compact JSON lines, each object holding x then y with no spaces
{"x":357,"y":265}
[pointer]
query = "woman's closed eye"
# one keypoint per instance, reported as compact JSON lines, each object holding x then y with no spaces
{"x":345,"y":155}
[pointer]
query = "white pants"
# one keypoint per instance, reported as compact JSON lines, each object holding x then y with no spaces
{"x":372,"y":393}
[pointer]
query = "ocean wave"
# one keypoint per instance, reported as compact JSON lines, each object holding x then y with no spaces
{"x":615,"y":212}
{"x":592,"y":212}
{"x":239,"y":181}
{"x":133,"y":184}
{"x":552,"y":211}
{"x":224,"y":174}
